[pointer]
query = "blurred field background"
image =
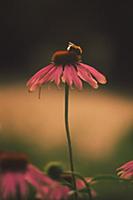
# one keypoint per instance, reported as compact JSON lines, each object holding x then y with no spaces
{"x":101,"y":121}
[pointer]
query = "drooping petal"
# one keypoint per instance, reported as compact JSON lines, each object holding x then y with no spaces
{"x":46,"y":188}
{"x":126,"y":170}
{"x":8,"y":185}
{"x":67,"y":77}
{"x":58,"y":192}
{"x":65,"y":192}
{"x":23,"y":187}
{"x":126,"y":175}
{"x":80,"y":184}
{"x":38,"y":175}
{"x":86,"y":76}
{"x":31,"y":180}
{"x":127,"y":165}
{"x":48,"y":77}
{"x":75,"y":78}
{"x":99,"y":77}
{"x":39,"y":74}
{"x":41,"y":77}
{"x":40,"y":81}
{"x":58,"y":74}
{"x":34,"y":85}
{"x":40,"y":195}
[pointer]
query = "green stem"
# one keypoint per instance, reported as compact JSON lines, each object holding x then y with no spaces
{"x":69,"y":138}
{"x":108,"y":177}
{"x":105,"y":177}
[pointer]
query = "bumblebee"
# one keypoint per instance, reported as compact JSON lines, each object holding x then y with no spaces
{"x":70,"y":56}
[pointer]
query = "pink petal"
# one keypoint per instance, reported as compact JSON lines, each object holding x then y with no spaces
{"x":79,"y":184}
{"x":58,"y":74}
{"x":41,"y":195}
{"x":38,"y":175}
{"x":8,"y":185}
{"x":65,"y":192}
{"x":127,"y":165}
{"x":39,"y":74}
{"x":126,"y":175}
{"x":75,"y":78}
{"x":34,"y":85}
{"x":48,"y":77}
{"x":99,"y":77}
{"x":67,"y":77}
{"x":39,"y":188}
{"x":41,"y":78}
{"x":58,"y":192}
{"x":86,"y":76}
{"x":22,"y":184}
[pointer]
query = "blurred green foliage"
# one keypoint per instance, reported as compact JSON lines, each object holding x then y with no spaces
{"x":105,"y":189}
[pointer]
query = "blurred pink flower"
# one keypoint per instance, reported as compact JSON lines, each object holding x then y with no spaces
{"x":59,"y":192}
{"x":66,"y":66}
{"x":55,"y":191}
{"x":16,"y":173}
{"x":126,"y":170}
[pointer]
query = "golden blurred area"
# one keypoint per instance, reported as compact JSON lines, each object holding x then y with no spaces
{"x":98,"y":119}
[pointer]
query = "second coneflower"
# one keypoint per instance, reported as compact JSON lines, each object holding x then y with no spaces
{"x":126,"y":171}
{"x":67,"y":66}
{"x":16,"y":173}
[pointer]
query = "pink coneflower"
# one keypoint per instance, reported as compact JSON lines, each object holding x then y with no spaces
{"x":15,"y":175}
{"x":54,"y":191}
{"x":126,"y":170}
{"x":59,"y":192}
{"x":66,"y":66}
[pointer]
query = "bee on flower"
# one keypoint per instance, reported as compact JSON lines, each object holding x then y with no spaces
{"x":66,"y":66}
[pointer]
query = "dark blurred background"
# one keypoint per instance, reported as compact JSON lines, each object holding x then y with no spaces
{"x":31,"y":30}
{"x":100,"y":121}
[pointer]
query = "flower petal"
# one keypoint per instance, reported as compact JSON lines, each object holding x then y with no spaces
{"x":67,"y":77}
{"x":58,"y":192}
{"x":99,"y":77}
{"x":127,"y":165}
{"x":75,"y":78}
{"x":48,"y":77}
{"x":22,"y":184}
{"x":58,"y":74}
{"x":39,"y":74}
{"x":126,"y":170}
{"x":86,"y":76}
{"x":39,"y":188}
{"x":34,"y":85}
{"x":8,"y":185}
{"x":38,"y":175}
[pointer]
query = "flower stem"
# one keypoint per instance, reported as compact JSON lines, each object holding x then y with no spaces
{"x":69,"y":138}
